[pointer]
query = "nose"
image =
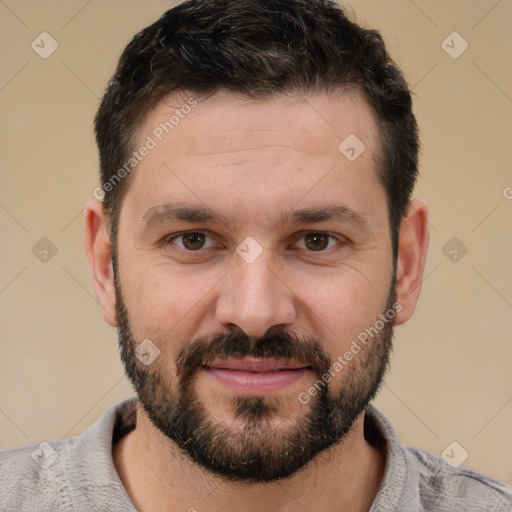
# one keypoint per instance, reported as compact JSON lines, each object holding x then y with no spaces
{"x":254,"y":297}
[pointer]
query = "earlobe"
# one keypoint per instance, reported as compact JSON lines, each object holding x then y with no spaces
{"x":99,"y":254}
{"x":412,"y":255}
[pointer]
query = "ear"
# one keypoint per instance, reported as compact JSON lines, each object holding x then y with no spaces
{"x":98,"y":249}
{"x":412,"y":254}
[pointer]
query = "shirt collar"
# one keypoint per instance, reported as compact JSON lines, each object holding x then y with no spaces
{"x":92,"y":469}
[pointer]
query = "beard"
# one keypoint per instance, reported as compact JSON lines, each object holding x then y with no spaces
{"x":270,"y":440}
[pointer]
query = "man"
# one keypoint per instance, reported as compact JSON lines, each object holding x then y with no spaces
{"x":255,"y":244}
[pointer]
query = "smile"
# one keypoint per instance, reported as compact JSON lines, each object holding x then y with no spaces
{"x":255,"y":376}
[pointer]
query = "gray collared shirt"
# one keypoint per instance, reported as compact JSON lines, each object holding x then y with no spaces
{"x":78,"y":474}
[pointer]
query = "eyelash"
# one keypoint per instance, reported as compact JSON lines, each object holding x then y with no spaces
{"x":169,"y":240}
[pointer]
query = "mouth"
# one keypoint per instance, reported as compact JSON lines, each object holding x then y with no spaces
{"x":255,"y":376}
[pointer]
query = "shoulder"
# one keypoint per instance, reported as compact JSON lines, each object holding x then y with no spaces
{"x":33,"y":475}
{"x":69,"y":474}
{"x":442,"y":486}
{"x":419,"y":481}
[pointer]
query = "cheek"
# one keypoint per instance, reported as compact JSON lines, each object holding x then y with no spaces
{"x":341,"y":307}
{"x":163,"y":304}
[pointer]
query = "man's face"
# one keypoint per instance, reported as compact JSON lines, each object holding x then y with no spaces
{"x":250,"y":308}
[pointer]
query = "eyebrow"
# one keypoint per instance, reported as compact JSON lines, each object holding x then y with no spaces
{"x":339,"y":213}
{"x":176,"y":212}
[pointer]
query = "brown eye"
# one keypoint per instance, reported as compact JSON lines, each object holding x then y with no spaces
{"x":317,"y":242}
{"x":190,"y":241}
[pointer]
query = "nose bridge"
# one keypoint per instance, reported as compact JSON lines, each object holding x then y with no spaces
{"x":253,"y":298}
{"x":257,"y":280}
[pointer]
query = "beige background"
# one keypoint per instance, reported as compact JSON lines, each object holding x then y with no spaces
{"x":451,"y":373}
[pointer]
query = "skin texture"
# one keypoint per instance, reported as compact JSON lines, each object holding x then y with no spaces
{"x":252,"y":161}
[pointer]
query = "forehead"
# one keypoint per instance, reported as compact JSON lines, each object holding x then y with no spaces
{"x":267,"y":152}
{"x":226,"y":122}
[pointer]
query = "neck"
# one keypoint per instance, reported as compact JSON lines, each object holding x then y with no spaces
{"x":157,"y":474}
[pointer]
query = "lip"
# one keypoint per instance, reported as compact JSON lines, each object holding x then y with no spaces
{"x":255,"y":376}
{"x":252,"y":364}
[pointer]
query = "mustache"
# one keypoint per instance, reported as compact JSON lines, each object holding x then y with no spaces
{"x":301,"y":349}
